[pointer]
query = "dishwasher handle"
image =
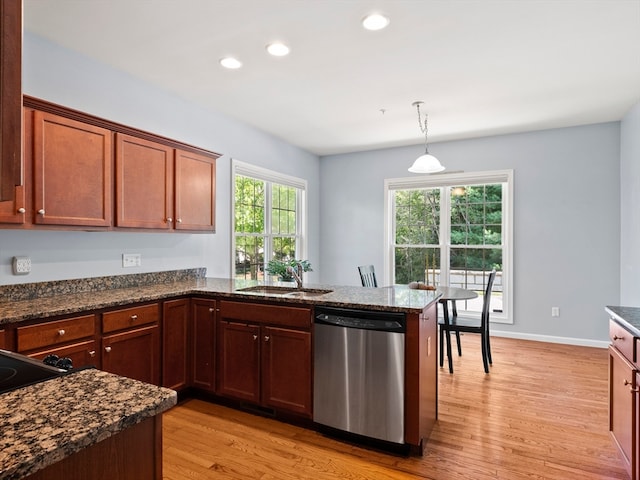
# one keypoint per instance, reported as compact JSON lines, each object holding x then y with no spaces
{"x":381,"y":324}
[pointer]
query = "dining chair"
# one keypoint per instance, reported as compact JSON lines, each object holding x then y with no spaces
{"x":368,"y":276}
{"x":458,"y":325}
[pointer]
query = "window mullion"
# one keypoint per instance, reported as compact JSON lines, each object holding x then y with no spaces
{"x":445,"y":234}
{"x":268,"y":237}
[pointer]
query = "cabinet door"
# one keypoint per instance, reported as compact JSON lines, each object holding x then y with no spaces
{"x":72,"y":172}
{"x":10,"y":97}
{"x":286,"y":369}
{"x":82,"y":354}
{"x":13,"y":207}
{"x":144,"y":183}
{"x":134,"y":354}
{"x":3,"y":344}
{"x":175,"y":346}
{"x":239,"y":361}
{"x":203,"y":344}
{"x":622,"y":406}
{"x":195,"y":191}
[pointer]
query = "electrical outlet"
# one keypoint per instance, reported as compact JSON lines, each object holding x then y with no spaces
{"x":555,"y":311}
{"x":131,"y":260}
{"x":21,"y":265}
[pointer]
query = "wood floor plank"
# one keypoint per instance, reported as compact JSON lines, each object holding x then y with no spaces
{"x":540,"y":414}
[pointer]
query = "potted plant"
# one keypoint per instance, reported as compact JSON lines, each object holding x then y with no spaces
{"x":279,"y":268}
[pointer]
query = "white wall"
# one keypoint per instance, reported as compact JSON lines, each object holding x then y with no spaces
{"x":566,"y":220}
{"x":630,"y":208}
{"x":70,"y":79}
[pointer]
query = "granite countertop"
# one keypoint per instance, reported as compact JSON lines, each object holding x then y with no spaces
{"x":628,"y":317}
{"x":43,"y":423}
{"x":395,"y":298}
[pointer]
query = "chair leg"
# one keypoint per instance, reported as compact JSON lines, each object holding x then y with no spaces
{"x":448,"y":335}
{"x":458,"y":343}
{"x":484,"y":353}
{"x":441,"y":346}
{"x":489,"y":349}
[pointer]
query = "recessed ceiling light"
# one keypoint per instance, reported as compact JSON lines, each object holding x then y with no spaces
{"x":375,"y":21}
{"x":278,"y":49}
{"x":230,"y":62}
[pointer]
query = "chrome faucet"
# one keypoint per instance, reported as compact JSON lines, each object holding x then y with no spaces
{"x":296,"y":274}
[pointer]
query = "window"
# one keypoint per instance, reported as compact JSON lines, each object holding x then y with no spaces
{"x":268,"y":220}
{"x":452,"y":229}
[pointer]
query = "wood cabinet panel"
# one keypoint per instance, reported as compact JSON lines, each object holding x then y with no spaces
{"x":286,"y":370}
{"x":203,"y":344}
{"x":82,"y":354}
{"x":271,"y":314}
{"x":10,"y":101}
{"x":623,"y":340}
{"x":55,"y":333}
{"x":3,"y":343}
{"x":175,"y":344}
{"x":134,"y":354}
{"x":195,"y":177}
{"x":130,"y":317}
{"x":239,"y":361}
{"x":623,"y":407}
{"x":144,"y":183}
{"x":72,"y":172}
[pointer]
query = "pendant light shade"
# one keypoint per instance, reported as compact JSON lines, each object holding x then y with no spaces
{"x":426,"y":163}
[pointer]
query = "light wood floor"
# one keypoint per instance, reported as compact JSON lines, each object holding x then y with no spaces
{"x":540,"y":414}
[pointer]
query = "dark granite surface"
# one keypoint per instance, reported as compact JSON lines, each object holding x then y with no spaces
{"x":397,"y":298}
{"x":628,"y":317}
{"x":42,"y":424}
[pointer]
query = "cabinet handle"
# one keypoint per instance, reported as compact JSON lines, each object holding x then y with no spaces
{"x":169,"y":220}
{"x":21,"y":210}
{"x":211,"y":310}
{"x":615,"y":337}
{"x":107,"y":349}
{"x":134,"y":317}
{"x":266,"y":338}
{"x":92,"y":353}
{"x":41,"y":211}
{"x":61,"y":332}
{"x":255,"y":337}
{"x":179,"y":220}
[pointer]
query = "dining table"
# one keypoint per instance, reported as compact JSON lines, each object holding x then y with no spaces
{"x":452,"y":294}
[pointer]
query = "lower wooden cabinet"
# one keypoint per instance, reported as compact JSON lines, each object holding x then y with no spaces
{"x":265,"y":365}
{"x":623,"y":409}
{"x":203,"y":344}
{"x":175,"y":344}
{"x":3,"y":343}
{"x":82,"y":354}
{"x":134,"y":354}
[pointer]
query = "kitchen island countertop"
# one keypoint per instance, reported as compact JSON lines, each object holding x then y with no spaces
{"x":393,"y":298}
{"x":43,"y":423}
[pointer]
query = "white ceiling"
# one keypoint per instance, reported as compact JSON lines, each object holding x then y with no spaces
{"x":482,"y":67}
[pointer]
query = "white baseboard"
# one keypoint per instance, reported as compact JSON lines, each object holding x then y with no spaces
{"x":547,"y":338}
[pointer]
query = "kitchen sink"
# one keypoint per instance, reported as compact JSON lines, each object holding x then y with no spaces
{"x":288,"y":291}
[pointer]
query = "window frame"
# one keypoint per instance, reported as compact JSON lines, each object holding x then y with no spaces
{"x":450,"y":180}
{"x":270,"y":177}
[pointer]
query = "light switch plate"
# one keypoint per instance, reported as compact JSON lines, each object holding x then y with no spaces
{"x":21,"y":265}
{"x":131,"y":260}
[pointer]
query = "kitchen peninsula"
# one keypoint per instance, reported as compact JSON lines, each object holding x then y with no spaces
{"x":191,"y":313}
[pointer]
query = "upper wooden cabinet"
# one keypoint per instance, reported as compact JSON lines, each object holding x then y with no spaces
{"x":144,"y":183}
{"x":10,"y":99}
{"x":72,"y":172}
{"x":195,"y":206}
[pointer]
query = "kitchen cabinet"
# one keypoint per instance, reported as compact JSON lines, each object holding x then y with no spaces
{"x":10,"y":102}
{"x":71,"y":337}
{"x":175,"y":343}
{"x":3,"y":344}
{"x":195,"y":193}
{"x":203,"y":344}
{"x":131,"y":343}
{"x":264,"y":355}
{"x":13,"y":207}
{"x":72,"y":172}
{"x":623,"y":396}
{"x":144,"y":183}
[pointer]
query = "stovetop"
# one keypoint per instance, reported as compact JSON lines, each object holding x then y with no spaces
{"x":18,"y":371}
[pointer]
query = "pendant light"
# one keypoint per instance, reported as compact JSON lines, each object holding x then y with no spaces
{"x":425,"y":163}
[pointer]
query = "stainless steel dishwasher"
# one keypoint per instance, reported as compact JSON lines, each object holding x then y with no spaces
{"x":359,"y":372}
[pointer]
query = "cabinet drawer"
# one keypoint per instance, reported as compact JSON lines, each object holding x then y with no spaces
{"x":623,"y":340}
{"x":55,"y":333}
{"x":81,"y":354}
{"x":271,"y":314}
{"x":129,"y":317}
